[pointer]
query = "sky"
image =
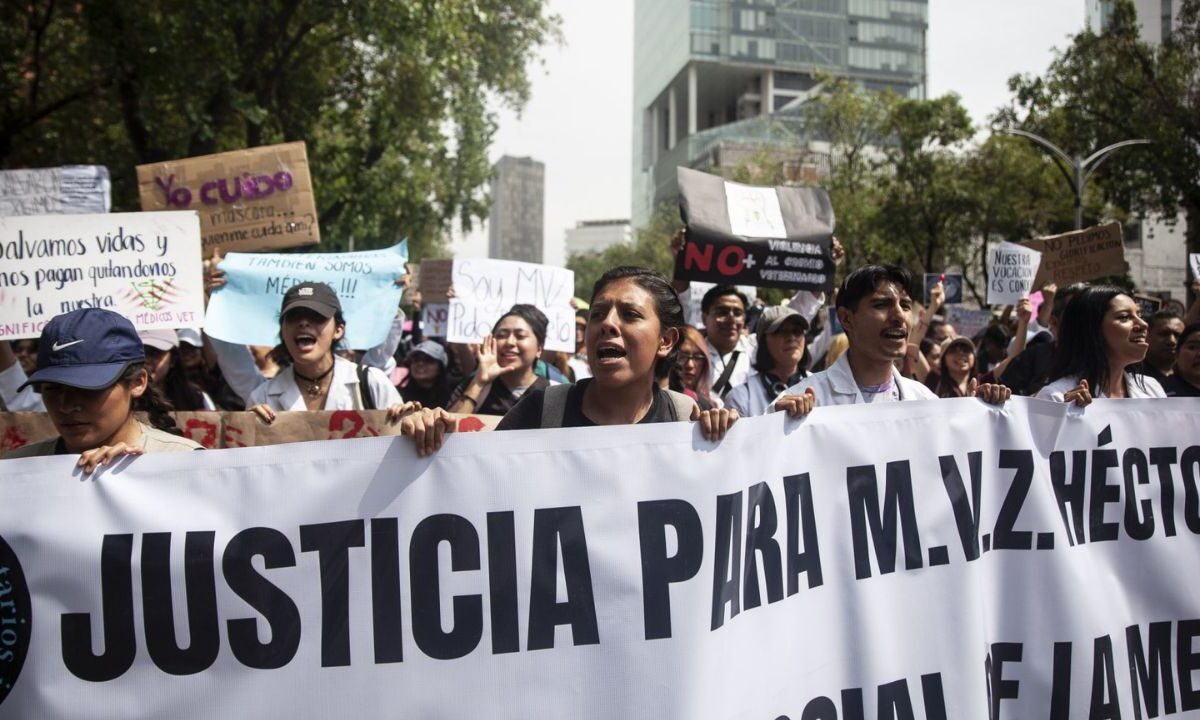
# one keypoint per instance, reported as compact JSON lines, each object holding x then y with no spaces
{"x":579,"y":117}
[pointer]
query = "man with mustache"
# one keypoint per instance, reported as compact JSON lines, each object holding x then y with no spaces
{"x":874,"y":306}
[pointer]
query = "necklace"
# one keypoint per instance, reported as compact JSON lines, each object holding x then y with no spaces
{"x":314,"y":388}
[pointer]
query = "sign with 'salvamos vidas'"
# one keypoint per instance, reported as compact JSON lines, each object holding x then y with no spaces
{"x":145,"y":266}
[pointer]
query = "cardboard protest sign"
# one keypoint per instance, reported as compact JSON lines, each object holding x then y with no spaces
{"x":246,"y":309}
{"x":1080,"y":256}
{"x":256,"y":199}
{"x":216,"y":430}
{"x":1194,"y":261}
{"x":486,"y":289}
{"x":952,"y":283}
{"x":435,"y":319}
{"x":765,"y":237}
{"x":145,"y":266}
{"x":1011,"y":271}
{"x":69,"y":190}
{"x":434,"y":280}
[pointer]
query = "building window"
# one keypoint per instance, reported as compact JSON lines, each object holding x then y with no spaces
{"x":905,"y":10}
{"x":886,"y":60}
{"x":885,"y":34}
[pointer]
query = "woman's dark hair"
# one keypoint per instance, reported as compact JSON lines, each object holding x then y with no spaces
{"x":946,"y":387}
{"x":180,"y":392}
{"x":1188,"y":332}
{"x":863,"y":281}
{"x":536,"y":319}
{"x":666,"y":304}
{"x":763,"y":362}
{"x":1080,"y":350}
{"x":283,"y":358}
{"x":151,"y":402}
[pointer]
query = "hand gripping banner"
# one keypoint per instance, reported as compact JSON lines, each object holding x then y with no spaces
{"x":942,"y":559}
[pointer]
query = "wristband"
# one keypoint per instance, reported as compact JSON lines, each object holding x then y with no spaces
{"x":473,"y":400}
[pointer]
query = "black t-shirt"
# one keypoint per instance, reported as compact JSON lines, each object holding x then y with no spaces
{"x":499,"y":399}
{"x":1030,"y":370}
{"x":437,"y":396}
{"x":527,"y":413}
{"x":1176,"y":386}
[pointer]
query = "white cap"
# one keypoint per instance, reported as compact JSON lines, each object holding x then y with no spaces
{"x":191,"y":336}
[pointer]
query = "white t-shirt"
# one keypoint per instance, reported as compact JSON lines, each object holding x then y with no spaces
{"x":1148,"y":388}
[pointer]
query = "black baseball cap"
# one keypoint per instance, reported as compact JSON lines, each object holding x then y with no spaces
{"x":318,"y":297}
{"x":88,"y":348}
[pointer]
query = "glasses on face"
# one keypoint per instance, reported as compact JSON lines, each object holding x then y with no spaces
{"x":728,"y":312}
{"x":685,"y":358}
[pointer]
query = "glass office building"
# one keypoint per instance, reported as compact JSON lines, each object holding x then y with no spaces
{"x":713,"y":73}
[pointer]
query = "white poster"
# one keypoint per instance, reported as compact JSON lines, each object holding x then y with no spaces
{"x":143,"y":265}
{"x":1194,"y":259}
{"x":754,"y":211}
{"x":433,"y":319}
{"x":1011,"y":272}
{"x":486,"y":289}
{"x":937,"y":560}
{"x":70,"y":190}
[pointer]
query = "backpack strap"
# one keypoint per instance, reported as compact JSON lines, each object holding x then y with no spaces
{"x":721,"y":386}
{"x":554,"y":405}
{"x":364,"y":390}
{"x":681,"y":405}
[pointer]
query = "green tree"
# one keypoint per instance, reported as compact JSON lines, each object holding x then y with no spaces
{"x":392,"y":98}
{"x":852,"y":120}
{"x":1112,"y":87}
{"x":924,"y":201}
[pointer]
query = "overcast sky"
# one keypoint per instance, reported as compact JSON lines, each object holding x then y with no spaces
{"x":578,"y":120}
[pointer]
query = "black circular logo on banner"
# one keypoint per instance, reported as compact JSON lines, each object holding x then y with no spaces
{"x":16,"y":620}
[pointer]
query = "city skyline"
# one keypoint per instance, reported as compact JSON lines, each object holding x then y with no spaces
{"x":578,"y":119}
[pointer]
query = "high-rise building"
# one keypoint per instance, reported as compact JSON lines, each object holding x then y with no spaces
{"x":1155,"y":246}
{"x":1156,"y":17}
{"x":717,"y":80}
{"x":596,"y":236}
{"x":516,"y":220}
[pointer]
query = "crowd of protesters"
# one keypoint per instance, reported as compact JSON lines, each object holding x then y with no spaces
{"x":637,"y":360}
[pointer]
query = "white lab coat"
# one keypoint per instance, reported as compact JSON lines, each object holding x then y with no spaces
{"x":1150,"y":388}
{"x":836,"y":386}
{"x":282,"y":393}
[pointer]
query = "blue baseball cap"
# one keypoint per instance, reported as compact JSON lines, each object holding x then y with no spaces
{"x":88,"y":348}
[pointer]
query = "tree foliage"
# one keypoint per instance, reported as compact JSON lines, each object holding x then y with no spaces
{"x":1113,"y":86}
{"x":392,"y":98}
{"x":911,"y":186}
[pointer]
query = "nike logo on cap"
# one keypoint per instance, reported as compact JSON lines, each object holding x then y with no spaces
{"x":60,"y":346}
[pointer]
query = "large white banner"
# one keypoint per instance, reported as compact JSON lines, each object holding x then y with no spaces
{"x":942,"y":559}
{"x":145,"y":265}
{"x":486,"y":289}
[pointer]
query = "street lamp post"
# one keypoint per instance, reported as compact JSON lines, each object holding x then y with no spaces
{"x":1076,"y":170}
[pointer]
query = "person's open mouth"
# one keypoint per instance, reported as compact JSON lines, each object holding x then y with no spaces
{"x":610,"y":354}
{"x":305,"y":342}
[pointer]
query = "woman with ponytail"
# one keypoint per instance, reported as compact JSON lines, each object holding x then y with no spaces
{"x":91,"y":373}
